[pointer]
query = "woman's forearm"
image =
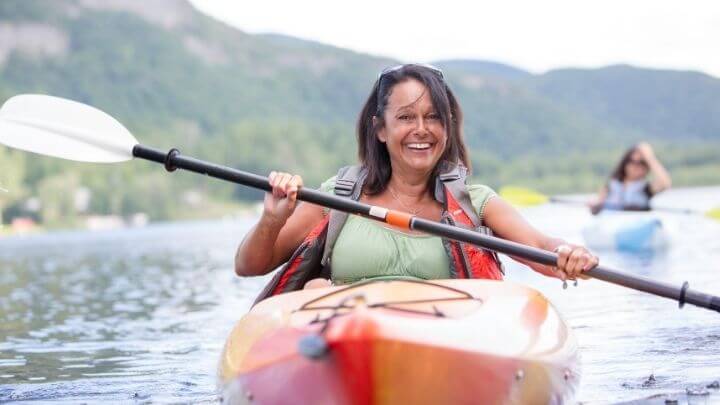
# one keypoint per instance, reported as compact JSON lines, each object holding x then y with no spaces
{"x":661,"y":177}
{"x":507,"y":223}
{"x":261,"y":238}
{"x":596,"y":205}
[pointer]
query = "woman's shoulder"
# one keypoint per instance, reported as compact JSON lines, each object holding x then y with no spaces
{"x":480,"y":191}
{"x":328,"y":186}
{"x":480,"y":194}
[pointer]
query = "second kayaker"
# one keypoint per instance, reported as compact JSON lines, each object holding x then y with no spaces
{"x":628,"y":187}
{"x":413,"y":159}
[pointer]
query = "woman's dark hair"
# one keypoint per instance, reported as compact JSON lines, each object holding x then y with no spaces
{"x":619,"y":172}
{"x":374,"y":155}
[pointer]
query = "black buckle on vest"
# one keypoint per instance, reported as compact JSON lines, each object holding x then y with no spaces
{"x":344,"y":187}
{"x":448,"y":176}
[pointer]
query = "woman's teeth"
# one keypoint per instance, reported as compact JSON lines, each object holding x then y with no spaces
{"x":418,"y":145}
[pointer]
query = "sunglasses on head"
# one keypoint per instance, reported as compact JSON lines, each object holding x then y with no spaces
{"x":638,"y":162}
{"x":392,"y":69}
{"x":395,"y":68}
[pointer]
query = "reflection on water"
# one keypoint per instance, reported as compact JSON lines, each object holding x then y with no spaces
{"x":134,"y":314}
{"x":141,"y":314}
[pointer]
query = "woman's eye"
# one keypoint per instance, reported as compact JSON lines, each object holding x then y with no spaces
{"x":433,"y":116}
{"x":404,"y":117}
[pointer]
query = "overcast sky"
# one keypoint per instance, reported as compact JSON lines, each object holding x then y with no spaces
{"x":534,"y":35}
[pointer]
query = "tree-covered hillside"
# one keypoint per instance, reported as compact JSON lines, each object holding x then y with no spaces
{"x":670,"y":105}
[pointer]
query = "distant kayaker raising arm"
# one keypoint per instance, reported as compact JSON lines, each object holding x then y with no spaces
{"x":629,"y":187}
{"x":412,"y":159}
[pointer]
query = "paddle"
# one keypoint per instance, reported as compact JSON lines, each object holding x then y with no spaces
{"x":526,"y":197}
{"x":62,"y":128}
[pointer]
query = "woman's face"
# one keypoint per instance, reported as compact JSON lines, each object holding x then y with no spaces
{"x":635,"y":167}
{"x":413,"y":131}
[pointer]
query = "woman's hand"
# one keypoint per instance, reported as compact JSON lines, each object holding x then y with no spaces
{"x":646,"y":150}
{"x":280,"y":204}
{"x":573,"y":261}
{"x":661,"y":178}
{"x":595,"y":207}
{"x":281,"y":228}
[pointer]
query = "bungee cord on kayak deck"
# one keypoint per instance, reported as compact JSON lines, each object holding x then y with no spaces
{"x":362,"y":300}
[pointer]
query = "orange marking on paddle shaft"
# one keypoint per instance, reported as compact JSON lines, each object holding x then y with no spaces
{"x":399,"y":219}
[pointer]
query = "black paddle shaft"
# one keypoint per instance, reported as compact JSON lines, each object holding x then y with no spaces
{"x":173,"y":160}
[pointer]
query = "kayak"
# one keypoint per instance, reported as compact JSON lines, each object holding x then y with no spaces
{"x":626,"y":231}
{"x":402,"y":342}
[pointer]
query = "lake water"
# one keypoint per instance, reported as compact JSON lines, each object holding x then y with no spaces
{"x":140,"y":315}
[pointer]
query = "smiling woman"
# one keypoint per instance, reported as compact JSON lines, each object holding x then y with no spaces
{"x":412,"y":159}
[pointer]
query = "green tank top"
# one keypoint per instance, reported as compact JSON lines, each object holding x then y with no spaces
{"x":367,"y":249}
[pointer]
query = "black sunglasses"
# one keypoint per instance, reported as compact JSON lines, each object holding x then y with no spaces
{"x":638,"y":162}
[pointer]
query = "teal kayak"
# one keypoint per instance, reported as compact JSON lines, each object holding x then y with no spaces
{"x":626,"y":231}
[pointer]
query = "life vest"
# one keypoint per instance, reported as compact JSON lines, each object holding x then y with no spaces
{"x":633,"y":195}
{"x":312,"y":258}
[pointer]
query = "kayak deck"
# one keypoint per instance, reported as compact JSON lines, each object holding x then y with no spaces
{"x":386,"y":342}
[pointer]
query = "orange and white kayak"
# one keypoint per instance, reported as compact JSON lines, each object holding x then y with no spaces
{"x":402,"y":342}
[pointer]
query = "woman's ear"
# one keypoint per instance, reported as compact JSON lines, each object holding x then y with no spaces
{"x":382,"y":137}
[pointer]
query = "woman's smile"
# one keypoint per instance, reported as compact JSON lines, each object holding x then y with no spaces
{"x":420,"y":148}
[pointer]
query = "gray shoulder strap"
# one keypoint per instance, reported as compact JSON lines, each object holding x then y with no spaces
{"x":453,"y":177}
{"x":348,"y":183}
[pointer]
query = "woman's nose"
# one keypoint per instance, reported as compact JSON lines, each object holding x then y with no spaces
{"x":421,"y":127}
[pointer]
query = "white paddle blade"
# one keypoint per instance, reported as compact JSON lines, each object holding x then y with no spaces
{"x":63,"y":128}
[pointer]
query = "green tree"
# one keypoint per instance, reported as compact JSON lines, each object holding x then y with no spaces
{"x":57,"y":199}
